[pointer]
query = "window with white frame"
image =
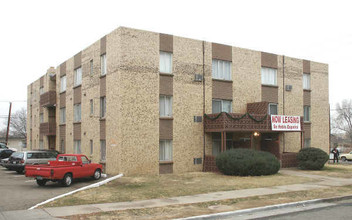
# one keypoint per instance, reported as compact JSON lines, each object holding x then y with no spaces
{"x":306,"y":81}
{"x":62,"y":115}
{"x":221,"y":69}
{"x":103,"y":64}
{"x":77,"y":147}
{"x":91,"y":67}
{"x":63,"y":84}
{"x":102,"y":150}
{"x":272,"y":109}
{"x":77,"y":112}
{"x":165,"y":106}
{"x":165,"y":150}
{"x":41,"y":90}
{"x":269,"y":76}
{"x":102,"y":107}
{"x":41,"y":118}
{"x":306,"y":111}
{"x":91,"y":103}
{"x":220,"y":105}
{"x":77,"y":77}
{"x":165,"y":62}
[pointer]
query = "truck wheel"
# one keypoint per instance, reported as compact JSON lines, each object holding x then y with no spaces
{"x":41,"y":182}
{"x":67,"y":180}
{"x":97,"y":174}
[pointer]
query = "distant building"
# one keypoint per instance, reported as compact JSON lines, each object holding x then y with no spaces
{"x":15,"y":142}
{"x":143,"y":102}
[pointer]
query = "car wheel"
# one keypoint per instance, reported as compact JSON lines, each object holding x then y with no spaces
{"x":97,"y":174}
{"x":41,"y":182}
{"x":67,"y":180}
{"x":343,"y":159}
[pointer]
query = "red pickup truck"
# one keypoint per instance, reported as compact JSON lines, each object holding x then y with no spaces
{"x":64,"y":169}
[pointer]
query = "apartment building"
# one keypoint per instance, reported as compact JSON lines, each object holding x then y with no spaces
{"x":143,"y":102}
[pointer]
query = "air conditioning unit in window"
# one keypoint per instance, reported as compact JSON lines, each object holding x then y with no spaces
{"x":198,"y":78}
{"x":197,"y":118}
{"x":288,"y":87}
{"x":197,"y":160}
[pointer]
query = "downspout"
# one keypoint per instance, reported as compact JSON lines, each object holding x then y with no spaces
{"x":203,"y":109}
{"x":283,"y":99}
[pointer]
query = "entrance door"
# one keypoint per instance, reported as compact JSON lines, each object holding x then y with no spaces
{"x":270,"y":143}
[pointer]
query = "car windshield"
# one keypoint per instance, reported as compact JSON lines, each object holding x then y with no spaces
{"x":17,"y":155}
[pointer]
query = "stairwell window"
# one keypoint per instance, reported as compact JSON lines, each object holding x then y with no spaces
{"x":62,"y":115}
{"x":220,"y":105}
{"x":306,"y":81}
{"x":63,"y":84}
{"x":269,"y":76}
{"x":165,"y":106}
{"x":91,"y":104}
{"x":165,"y":150}
{"x":102,"y":107}
{"x":77,"y":112}
{"x":307,"y":142}
{"x":77,"y":77}
{"x":91,"y":67}
{"x":103,"y":150}
{"x":103,"y":64}
{"x":221,"y":69}
{"x":306,"y":111}
{"x":165,"y":62}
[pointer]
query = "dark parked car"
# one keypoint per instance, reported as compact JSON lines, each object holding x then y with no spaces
{"x":18,"y":160}
{"x":5,"y":153}
{"x":3,"y":146}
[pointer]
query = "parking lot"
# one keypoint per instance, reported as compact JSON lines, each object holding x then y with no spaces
{"x":18,"y":192}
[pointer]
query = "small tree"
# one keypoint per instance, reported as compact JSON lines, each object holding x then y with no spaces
{"x":18,"y":124}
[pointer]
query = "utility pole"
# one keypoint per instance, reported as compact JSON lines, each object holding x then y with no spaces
{"x":8,"y":124}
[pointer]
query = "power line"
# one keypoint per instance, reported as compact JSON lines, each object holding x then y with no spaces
{"x":13,"y":101}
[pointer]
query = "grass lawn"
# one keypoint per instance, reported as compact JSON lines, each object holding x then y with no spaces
{"x":171,"y":185}
{"x":179,"y":211}
{"x":333,"y":170}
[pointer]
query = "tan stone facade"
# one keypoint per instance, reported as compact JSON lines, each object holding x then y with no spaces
{"x":133,"y":128}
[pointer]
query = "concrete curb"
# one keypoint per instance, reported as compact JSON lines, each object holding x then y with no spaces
{"x":77,"y":190}
{"x":268,"y":208}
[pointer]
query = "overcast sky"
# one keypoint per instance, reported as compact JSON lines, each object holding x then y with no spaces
{"x":38,"y":34}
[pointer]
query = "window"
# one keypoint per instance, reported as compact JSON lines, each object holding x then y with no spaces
{"x":84,"y":160}
{"x":41,"y":118}
{"x":78,"y":77}
{"x":103,"y":64}
{"x":63,"y":84}
{"x":165,"y":106}
{"x":272,"y":109}
{"x":165,"y":62}
{"x":306,"y":81}
{"x":220,"y":105}
{"x":41,"y":144}
{"x":77,"y":146}
{"x":102,"y":107}
{"x":269,"y":76}
{"x":91,"y":67}
{"x":221,"y":69}
{"x":102,"y":150}
{"x":165,"y":150}
{"x":41,"y":90}
{"x":91,"y":102}
{"x":306,"y":111}
{"x":77,"y":112}
{"x":307,"y":142}
{"x":91,"y":147}
{"x":62,"y":146}
{"x":62,"y":115}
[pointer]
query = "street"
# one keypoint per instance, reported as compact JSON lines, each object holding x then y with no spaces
{"x":19,"y":193}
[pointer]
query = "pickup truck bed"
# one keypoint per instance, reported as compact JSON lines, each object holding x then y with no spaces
{"x":66,"y":168}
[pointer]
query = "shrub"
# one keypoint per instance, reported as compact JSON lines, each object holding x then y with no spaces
{"x":247,"y":162}
{"x":312,"y":158}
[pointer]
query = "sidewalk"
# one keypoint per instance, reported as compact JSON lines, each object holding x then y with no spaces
{"x":47,"y":213}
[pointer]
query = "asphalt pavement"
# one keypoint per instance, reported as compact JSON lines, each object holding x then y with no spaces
{"x":18,"y":192}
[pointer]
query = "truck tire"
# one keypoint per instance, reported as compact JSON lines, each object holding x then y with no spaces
{"x":97,"y":174}
{"x":67,"y":180}
{"x":41,"y":182}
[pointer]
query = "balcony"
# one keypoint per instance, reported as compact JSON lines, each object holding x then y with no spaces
{"x":48,"y":99}
{"x":237,"y":122}
{"x":48,"y":128}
